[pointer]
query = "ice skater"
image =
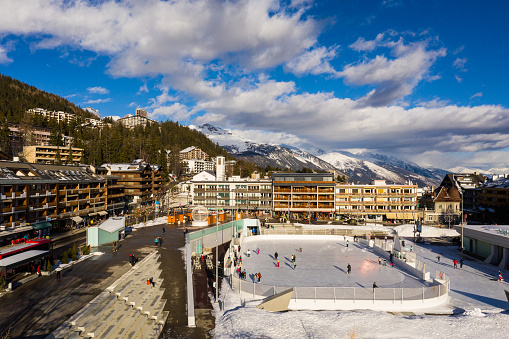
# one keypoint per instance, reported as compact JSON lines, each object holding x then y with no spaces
{"x":500,"y":278}
{"x":455,"y":263}
{"x":277,"y":263}
{"x":300,"y":249}
{"x":348,"y":268}
{"x":438,"y":258}
{"x":248,"y":253}
{"x":379,"y":261}
{"x":275,"y":255}
{"x":294,"y":265}
{"x":347,"y":242}
{"x":257,"y":251}
{"x":461,"y":263}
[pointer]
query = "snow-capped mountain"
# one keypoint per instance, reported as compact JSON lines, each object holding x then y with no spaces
{"x":362,"y":168}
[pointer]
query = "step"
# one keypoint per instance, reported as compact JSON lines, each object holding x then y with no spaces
{"x":148,"y":297}
{"x":124,"y":326}
{"x":113,"y":325}
{"x":133,"y":292}
{"x":158,"y":310}
{"x":152,"y":256}
{"x":96,"y":324}
{"x":89,"y":318}
{"x":96,"y":304}
{"x":151,"y":329}
{"x":145,"y":292}
{"x":137,"y":326}
{"x":148,"y":308}
{"x":137,"y":279}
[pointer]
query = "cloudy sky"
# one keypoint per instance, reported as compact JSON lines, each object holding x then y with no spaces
{"x":421,"y":80}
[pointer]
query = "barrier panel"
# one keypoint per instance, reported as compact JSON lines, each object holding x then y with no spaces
{"x":439,"y":288}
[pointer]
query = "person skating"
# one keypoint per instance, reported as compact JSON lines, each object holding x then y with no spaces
{"x":259,"y":276}
{"x":455,"y":263}
{"x":294,"y":264}
{"x":500,"y":278}
{"x":461,"y":263}
{"x":438,"y":258}
{"x":275,"y":255}
{"x":348,"y":268}
{"x":379,"y":261}
{"x":248,"y":253}
{"x":156,"y":241}
{"x":347,"y":242}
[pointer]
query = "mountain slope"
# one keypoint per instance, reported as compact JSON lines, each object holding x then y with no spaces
{"x":362,"y":168}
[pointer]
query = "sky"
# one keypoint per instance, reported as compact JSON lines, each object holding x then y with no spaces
{"x":420,"y":80}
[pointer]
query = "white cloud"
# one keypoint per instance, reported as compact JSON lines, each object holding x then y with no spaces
{"x":394,"y":78}
{"x":367,"y":45}
{"x":459,"y":63}
{"x":476,"y":95}
{"x":4,"y":59}
{"x":98,"y":90}
{"x":175,"y":112}
{"x":98,"y":101}
{"x":458,"y":79}
{"x":315,"y":61}
{"x":142,"y":89}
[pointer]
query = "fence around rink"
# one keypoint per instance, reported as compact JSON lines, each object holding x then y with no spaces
{"x":396,"y":295}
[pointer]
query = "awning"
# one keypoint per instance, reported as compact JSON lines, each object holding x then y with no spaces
{"x":102,"y":213}
{"x":15,"y":230}
{"x":77,"y":219}
{"x":41,"y":225}
{"x":92,"y":214}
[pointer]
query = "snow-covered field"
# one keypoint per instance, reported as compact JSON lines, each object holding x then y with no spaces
{"x":476,"y":308}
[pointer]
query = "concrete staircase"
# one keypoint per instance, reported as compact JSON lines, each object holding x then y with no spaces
{"x":129,"y":308}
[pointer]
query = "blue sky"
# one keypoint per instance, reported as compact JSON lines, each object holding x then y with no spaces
{"x":420,"y":80}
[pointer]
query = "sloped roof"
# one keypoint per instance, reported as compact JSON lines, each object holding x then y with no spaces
{"x":188,"y":149}
{"x":444,"y":194}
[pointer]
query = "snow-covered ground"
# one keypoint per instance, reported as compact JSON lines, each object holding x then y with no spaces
{"x":477,"y":303}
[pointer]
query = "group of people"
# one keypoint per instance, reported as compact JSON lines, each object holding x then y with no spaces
{"x":257,"y":276}
{"x":455,"y":263}
{"x":158,"y":241}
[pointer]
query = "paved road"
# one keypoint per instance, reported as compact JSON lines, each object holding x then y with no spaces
{"x":36,"y":308}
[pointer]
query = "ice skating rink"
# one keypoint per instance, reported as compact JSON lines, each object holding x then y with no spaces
{"x":322,"y":263}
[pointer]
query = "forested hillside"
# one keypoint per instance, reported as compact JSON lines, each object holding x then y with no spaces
{"x":115,"y":144}
{"x":16,"y":97}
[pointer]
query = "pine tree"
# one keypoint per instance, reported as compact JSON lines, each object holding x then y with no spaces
{"x":5,"y":141}
{"x":58,"y":159}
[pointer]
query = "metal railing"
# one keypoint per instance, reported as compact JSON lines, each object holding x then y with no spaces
{"x":260,"y":290}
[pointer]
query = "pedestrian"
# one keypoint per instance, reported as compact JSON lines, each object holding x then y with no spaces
{"x":160,"y":241}
{"x":131,"y":259}
{"x":411,"y":248}
{"x":390,"y":257}
{"x":164,"y":230}
{"x":379,"y":261}
{"x":438,"y":258}
{"x":348,"y":268}
{"x":347,"y":243}
{"x":39,"y":270}
{"x":374,"y":286}
{"x":248,"y":253}
{"x":201,"y":258}
{"x":461,"y":263}
{"x":275,"y":255}
{"x":500,"y":278}
{"x":156,"y":241}
{"x":455,"y":262}
{"x":294,"y":264}
{"x":244,"y":274}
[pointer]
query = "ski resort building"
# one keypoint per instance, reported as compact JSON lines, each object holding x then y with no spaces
{"x":303,"y":195}
{"x":378,"y":201}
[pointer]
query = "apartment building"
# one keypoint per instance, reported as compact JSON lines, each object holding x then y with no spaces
{"x":40,"y":196}
{"x":140,"y":119}
{"x":59,"y":116}
{"x":303,"y":195}
{"x":193,"y":153}
{"x":141,"y":181}
{"x":378,"y":201}
{"x":47,"y":154}
{"x":194,"y":166}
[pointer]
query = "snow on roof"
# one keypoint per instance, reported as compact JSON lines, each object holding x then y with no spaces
{"x":113,"y":224}
{"x":188,"y":149}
